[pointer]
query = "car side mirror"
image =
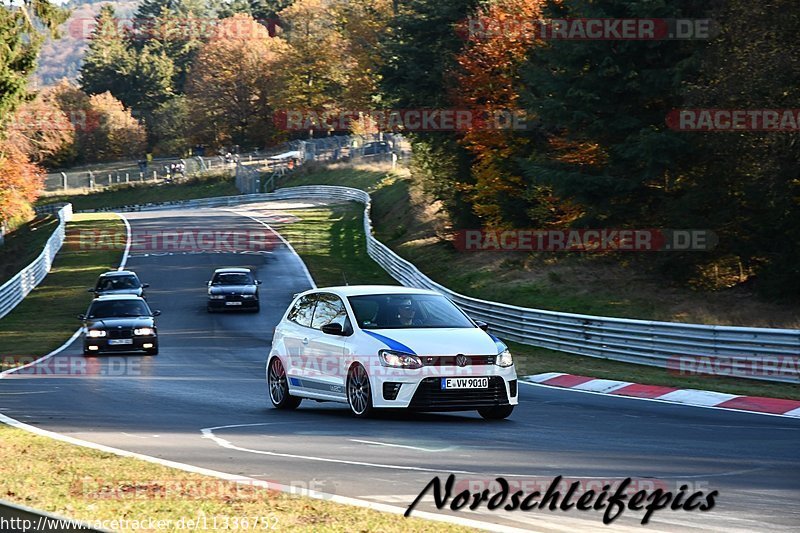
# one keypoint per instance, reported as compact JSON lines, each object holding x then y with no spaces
{"x":483,"y":325}
{"x":156,"y":313}
{"x":81,"y":317}
{"x":333,"y":329}
{"x":259,"y":282}
{"x":90,"y":289}
{"x":145,"y":285}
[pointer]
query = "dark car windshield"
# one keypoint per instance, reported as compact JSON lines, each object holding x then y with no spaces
{"x":232,"y":278}
{"x":115,"y":283}
{"x":406,"y":311}
{"x":118,"y":308}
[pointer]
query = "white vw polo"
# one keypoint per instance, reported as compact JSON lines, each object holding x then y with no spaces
{"x":376,"y":347}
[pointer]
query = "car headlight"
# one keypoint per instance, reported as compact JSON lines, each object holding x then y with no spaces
{"x":144,"y":331}
{"x":248,"y":296}
{"x":399,"y":359}
{"x":504,"y":359}
{"x":95,"y":333}
{"x":216,"y":296}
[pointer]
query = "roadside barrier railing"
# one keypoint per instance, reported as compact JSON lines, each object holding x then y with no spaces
{"x":17,"y":288}
{"x":759,"y":353}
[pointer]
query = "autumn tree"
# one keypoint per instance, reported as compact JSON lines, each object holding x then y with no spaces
{"x":42,"y":131}
{"x":498,"y":38}
{"x":113,"y":133}
{"x":20,"y":184}
{"x":317,"y":67}
{"x":233,"y":83}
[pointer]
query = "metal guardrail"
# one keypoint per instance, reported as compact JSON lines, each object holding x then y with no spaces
{"x":14,"y":290}
{"x":645,"y":342}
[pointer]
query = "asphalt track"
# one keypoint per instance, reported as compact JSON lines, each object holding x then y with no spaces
{"x":203,"y":401}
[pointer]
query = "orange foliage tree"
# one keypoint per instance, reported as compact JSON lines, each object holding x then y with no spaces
{"x":498,"y":38}
{"x":20,"y":183}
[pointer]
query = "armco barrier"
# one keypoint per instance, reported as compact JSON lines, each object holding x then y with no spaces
{"x":644,"y":342}
{"x":14,"y":290}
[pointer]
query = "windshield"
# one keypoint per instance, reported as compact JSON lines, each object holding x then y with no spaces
{"x":116,"y":283}
{"x":112,"y":309}
{"x":235,"y":278}
{"x":406,"y":311}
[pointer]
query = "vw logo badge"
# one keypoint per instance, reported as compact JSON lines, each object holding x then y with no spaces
{"x":461,"y":360}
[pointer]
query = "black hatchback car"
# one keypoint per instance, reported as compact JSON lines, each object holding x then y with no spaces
{"x":119,"y":282}
{"x":119,"y":323}
{"x":233,"y":288}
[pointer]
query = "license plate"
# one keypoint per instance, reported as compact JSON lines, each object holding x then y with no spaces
{"x":233,"y":303}
{"x":465,"y":383}
{"x":120,"y":341}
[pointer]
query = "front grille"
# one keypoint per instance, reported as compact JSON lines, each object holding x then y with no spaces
{"x":450,"y":360}
{"x":430,"y":396}
{"x":124,"y":333}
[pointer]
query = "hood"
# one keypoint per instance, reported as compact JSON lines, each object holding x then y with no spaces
{"x":135,"y":292}
{"x":232,"y":289}
{"x":445,"y":341}
{"x":125,"y":322}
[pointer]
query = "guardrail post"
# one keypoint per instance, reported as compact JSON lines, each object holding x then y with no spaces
{"x":64,"y":180}
{"x":127,"y":178}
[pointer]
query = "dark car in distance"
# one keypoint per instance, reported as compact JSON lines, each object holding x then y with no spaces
{"x":233,"y":288}
{"x":119,"y":323}
{"x":119,"y":282}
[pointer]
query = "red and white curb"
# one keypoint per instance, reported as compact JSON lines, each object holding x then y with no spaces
{"x":698,"y":398}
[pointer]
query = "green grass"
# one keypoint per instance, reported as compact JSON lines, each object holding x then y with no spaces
{"x":24,"y":244}
{"x":62,"y":295}
{"x":331,"y":242}
{"x":119,"y":196}
{"x":89,"y":485}
{"x":396,"y":225}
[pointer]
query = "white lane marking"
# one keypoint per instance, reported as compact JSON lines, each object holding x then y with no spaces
{"x":138,"y":436}
{"x":249,"y":481}
{"x":785,"y":415}
{"x":284,"y":241}
{"x":45,"y":357}
{"x":127,"y":251}
{"x":401,"y":446}
{"x":29,"y":392}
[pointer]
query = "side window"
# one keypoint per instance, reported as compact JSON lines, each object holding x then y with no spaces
{"x":303,"y":310}
{"x":330,"y":310}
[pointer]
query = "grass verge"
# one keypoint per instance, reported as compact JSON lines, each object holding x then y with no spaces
{"x":62,"y":294}
{"x":331,"y":241}
{"x":96,"y":486}
{"x":326,"y":260}
{"x":119,"y":196}
{"x":24,"y":244}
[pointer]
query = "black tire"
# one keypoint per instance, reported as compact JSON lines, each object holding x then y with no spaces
{"x":87,"y":353}
{"x":154,"y":351}
{"x":359,"y":393}
{"x":498,"y":412}
{"x":257,"y":309}
{"x":209,"y":309}
{"x":278,"y":386}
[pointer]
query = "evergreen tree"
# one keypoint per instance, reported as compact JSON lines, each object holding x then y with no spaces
{"x":108,"y":63}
